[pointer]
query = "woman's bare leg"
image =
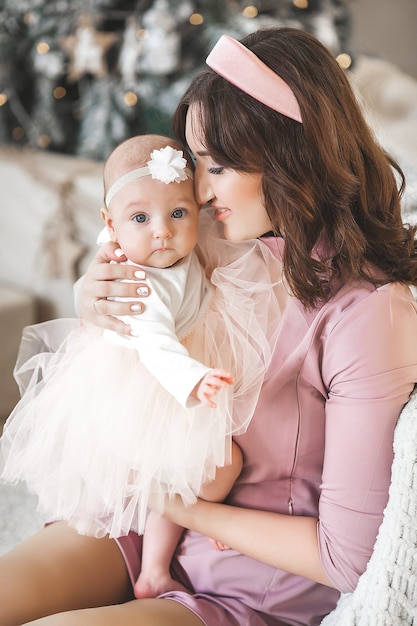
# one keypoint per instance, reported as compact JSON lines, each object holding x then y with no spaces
{"x":146,"y":612}
{"x":60,"y":570}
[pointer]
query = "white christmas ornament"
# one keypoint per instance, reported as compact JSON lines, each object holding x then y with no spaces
{"x":87,"y":49}
{"x":130,"y":52}
{"x":161,"y":42}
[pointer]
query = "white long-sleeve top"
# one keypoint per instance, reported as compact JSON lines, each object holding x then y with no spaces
{"x":179,"y":295}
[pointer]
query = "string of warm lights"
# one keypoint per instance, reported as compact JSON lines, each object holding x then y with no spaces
{"x":84,"y":53}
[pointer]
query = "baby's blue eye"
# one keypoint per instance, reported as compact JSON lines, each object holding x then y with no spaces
{"x":178,"y":213}
{"x":140,"y":218}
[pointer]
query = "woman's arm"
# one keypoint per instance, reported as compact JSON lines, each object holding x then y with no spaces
{"x":283,"y":541}
{"x":370,"y":369}
{"x":102,"y":281}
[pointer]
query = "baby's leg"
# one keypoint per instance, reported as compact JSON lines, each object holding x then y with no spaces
{"x":159,"y":543}
{"x":60,"y":570}
{"x":161,"y":536}
{"x":218,"y":489}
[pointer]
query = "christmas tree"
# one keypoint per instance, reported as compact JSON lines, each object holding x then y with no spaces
{"x":80,"y":76}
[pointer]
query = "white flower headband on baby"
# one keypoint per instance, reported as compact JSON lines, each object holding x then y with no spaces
{"x":167,"y":165}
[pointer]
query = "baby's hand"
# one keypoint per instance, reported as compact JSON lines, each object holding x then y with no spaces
{"x":211,"y":384}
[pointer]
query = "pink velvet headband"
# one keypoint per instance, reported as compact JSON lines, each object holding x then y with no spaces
{"x":241,"y":67}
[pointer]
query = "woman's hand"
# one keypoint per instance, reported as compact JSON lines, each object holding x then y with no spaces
{"x":103,"y":281}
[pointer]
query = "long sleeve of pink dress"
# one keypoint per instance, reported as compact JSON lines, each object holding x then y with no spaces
{"x":368,"y":371}
{"x":319,"y":445}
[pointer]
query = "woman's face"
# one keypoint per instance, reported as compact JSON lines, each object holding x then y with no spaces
{"x":236,"y":197}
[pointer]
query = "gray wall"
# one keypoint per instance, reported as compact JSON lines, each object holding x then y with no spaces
{"x":386,"y":28}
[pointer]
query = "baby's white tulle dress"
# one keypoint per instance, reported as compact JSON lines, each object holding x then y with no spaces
{"x":105,"y":423}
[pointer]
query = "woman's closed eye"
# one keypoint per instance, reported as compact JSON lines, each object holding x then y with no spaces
{"x":216,"y":170}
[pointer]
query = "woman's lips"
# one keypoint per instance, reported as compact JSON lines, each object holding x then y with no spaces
{"x":221,"y":214}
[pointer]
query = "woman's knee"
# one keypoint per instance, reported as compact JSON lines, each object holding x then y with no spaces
{"x":58,"y":570}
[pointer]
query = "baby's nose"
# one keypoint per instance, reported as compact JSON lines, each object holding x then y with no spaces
{"x":162,"y":231}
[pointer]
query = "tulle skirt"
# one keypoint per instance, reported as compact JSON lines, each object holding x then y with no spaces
{"x":95,"y":436}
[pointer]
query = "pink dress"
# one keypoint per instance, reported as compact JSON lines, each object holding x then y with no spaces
{"x":319,"y":444}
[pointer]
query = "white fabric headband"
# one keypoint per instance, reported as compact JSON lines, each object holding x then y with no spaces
{"x":167,"y":165}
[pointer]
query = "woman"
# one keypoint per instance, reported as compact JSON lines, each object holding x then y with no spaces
{"x":282,"y":152}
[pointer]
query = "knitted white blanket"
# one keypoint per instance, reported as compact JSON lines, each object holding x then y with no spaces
{"x":386,"y":594}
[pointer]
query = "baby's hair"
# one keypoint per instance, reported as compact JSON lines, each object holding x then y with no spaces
{"x":134,"y":153}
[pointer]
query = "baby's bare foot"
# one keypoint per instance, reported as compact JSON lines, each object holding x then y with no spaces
{"x":153,"y":584}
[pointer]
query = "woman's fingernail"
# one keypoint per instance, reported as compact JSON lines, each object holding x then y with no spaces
{"x":136,"y":307}
{"x":119,"y":252}
{"x":140,"y":274}
{"x":142,"y":291}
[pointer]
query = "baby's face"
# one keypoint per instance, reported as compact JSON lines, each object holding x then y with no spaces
{"x":155,"y":224}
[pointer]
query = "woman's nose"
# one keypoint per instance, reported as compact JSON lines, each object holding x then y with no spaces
{"x":202,"y":187}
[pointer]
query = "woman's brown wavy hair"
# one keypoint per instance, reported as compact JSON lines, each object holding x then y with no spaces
{"x":328,"y":187}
